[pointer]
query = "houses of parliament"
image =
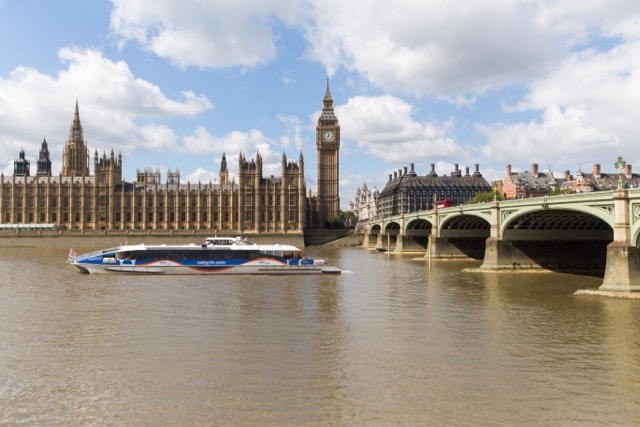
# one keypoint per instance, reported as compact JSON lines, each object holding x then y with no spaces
{"x":79,"y":200}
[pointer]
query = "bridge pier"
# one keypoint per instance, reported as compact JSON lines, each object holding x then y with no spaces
{"x":443,"y":248}
{"x":366,"y":240}
{"x":622,"y":273}
{"x":406,"y":243}
{"x":504,"y":255}
{"x":384,"y":241}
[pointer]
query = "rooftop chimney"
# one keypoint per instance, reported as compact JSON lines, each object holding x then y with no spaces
{"x":596,"y":171}
{"x":534,"y":170}
{"x":433,"y":170}
{"x":508,"y":170}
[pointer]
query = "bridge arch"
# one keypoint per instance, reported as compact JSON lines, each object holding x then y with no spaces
{"x":418,"y":227}
{"x":393,"y":228}
{"x":564,"y":239}
{"x":465,"y":226}
{"x":558,"y":224}
{"x":375,"y":229}
{"x":635,"y":236}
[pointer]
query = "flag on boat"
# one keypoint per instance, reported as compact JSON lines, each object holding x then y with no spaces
{"x":72,"y":253}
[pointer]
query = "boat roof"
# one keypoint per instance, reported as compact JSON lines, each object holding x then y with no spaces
{"x":193,"y":246}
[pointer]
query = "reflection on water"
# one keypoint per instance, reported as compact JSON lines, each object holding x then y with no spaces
{"x":393,"y":342}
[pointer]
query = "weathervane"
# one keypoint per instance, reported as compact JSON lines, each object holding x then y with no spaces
{"x":620,"y":164}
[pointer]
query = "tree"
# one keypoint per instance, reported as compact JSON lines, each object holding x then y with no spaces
{"x":349,"y":218}
{"x":560,"y":191}
{"x":483,"y":197}
{"x":334,"y":222}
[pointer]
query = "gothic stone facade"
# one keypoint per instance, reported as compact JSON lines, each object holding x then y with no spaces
{"x":365,"y":206}
{"x":77,"y":200}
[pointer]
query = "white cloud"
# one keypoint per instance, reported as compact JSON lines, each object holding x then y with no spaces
{"x":116,"y":107}
{"x":384,"y":127}
{"x":294,"y":127}
{"x":450,"y":49}
{"x":432,"y":47}
{"x":213,"y":33}
{"x":201,"y":175}
{"x":590,"y":113}
{"x":249,"y":143}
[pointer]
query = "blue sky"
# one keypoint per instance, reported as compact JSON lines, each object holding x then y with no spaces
{"x":174,"y":84}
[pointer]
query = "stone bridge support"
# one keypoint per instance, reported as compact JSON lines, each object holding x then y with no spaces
{"x":622,"y":273}
{"x":440,"y":247}
{"x":366,"y":239}
{"x":500,"y":254}
{"x":384,"y":241}
{"x":405,"y":243}
{"x":443,"y":248}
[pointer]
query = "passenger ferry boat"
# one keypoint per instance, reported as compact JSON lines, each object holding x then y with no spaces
{"x":217,"y":255}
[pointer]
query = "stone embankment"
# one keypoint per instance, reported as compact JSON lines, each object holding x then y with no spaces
{"x":108,"y":238}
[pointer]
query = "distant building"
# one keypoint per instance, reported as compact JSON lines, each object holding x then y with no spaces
{"x":599,"y":181}
{"x":521,"y":185}
{"x":406,"y":191}
{"x":79,"y":200}
{"x":364,"y":205}
{"x":327,"y":203}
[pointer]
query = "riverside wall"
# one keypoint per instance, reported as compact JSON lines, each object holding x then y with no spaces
{"x":97,"y":239}
{"x":106,"y":238}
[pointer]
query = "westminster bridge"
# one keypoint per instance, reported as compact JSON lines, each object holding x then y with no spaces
{"x":588,"y":233}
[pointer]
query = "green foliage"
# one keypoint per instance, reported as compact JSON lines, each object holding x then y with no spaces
{"x":349,"y":218}
{"x":558,"y":191}
{"x":334,"y":222}
{"x":486,"y":196}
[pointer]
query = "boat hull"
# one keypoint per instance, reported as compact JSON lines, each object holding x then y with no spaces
{"x":172,"y":268}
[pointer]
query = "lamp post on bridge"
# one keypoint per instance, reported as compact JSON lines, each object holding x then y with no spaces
{"x":620,"y":164}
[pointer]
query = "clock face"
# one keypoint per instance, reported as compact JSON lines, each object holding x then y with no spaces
{"x":327,"y":135}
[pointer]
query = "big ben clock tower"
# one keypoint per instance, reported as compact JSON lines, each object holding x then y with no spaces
{"x":328,"y":145}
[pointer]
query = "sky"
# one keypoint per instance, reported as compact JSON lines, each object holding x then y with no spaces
{"x":174,"y":84}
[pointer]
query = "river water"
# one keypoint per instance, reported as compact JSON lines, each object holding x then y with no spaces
{"x":392,"y":342}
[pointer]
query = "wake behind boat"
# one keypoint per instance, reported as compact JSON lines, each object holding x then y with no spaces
{"x":217,"y":255}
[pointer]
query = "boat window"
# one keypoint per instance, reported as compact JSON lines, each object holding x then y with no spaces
{"x":198,"y":254}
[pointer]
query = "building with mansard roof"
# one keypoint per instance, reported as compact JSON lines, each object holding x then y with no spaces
{"x":533,"y":183}
{"x":79,"y":200}
{"x":521,"y":185}
{"x":585,"y":182}
{"x":406,"y":191}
